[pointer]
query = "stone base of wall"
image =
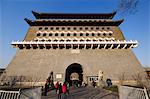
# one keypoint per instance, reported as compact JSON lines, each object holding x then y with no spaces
{"x":38,"y":63}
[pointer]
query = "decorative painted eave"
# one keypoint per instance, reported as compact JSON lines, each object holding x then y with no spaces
{"x":74,"y":38}
{"x":74,"y":31}
{"x":74,"y":20}
{"x":85,"y":44}
{"x":73,"y":15}
{"x":70,"y":22}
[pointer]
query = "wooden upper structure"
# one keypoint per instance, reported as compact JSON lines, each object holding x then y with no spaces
{"x":73,"y":19}
{"x":73,"y":15}
{"x":74,"y":30}
{"x":73,"y":22}
{"x":76,"y":22}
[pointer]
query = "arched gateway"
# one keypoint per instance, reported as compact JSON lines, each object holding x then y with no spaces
{"x":74,"y":73}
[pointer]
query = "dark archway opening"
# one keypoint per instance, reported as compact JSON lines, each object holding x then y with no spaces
{"x":74,"y":68}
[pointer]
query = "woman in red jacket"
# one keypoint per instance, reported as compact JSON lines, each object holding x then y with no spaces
{"x":64,"y":90}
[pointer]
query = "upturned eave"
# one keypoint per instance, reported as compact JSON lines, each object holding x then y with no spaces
{"x":70,"y":22}
{"x":39,"y":15}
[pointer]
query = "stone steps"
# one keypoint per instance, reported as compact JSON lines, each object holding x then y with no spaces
{"x":85,"y":93}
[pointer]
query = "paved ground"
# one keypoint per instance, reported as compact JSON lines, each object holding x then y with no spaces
{"x":85,"y":93}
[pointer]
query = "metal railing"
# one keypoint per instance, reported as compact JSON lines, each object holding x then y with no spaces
{"x":126,"y":92}
{"x":9,"y":94}
{"x":31,"y":93}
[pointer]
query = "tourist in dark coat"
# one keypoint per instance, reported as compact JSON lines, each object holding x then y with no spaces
{"x":68,"y":87}
{"x":94,"y":83}
{"x":109,"y":82}
{"x":46,"y":89}
{"x":59,"y":92}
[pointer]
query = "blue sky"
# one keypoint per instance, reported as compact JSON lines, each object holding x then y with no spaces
{"x":13,"y":26}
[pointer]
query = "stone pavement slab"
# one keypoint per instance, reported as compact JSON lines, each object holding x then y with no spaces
{"x":85,"y":93}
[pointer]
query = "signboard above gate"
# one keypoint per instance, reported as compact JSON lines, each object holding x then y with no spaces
{"x":75,"y":51}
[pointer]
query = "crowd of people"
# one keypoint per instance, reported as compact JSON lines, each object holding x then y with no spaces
{"x":62,"y":90}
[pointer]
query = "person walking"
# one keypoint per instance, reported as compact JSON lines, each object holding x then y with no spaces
{"x":59,"y":91}
{"x":94,"y":83}
{"x":64,"y":91}
{"x":46,"y":89}
{"x":42,"y":90}
{"x":56,"y":86}
{"x":109,"y":82}
{"x":68,"y":88}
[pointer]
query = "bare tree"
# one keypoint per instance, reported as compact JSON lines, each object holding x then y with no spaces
{"x":20,"y":80}
{"x":122,"y":78}
{"x":142,"y":80}
{"x":32,"y":80}
{"x":139,"y":79}
{"x":146,"y":82}
{"x":128,"y":6}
